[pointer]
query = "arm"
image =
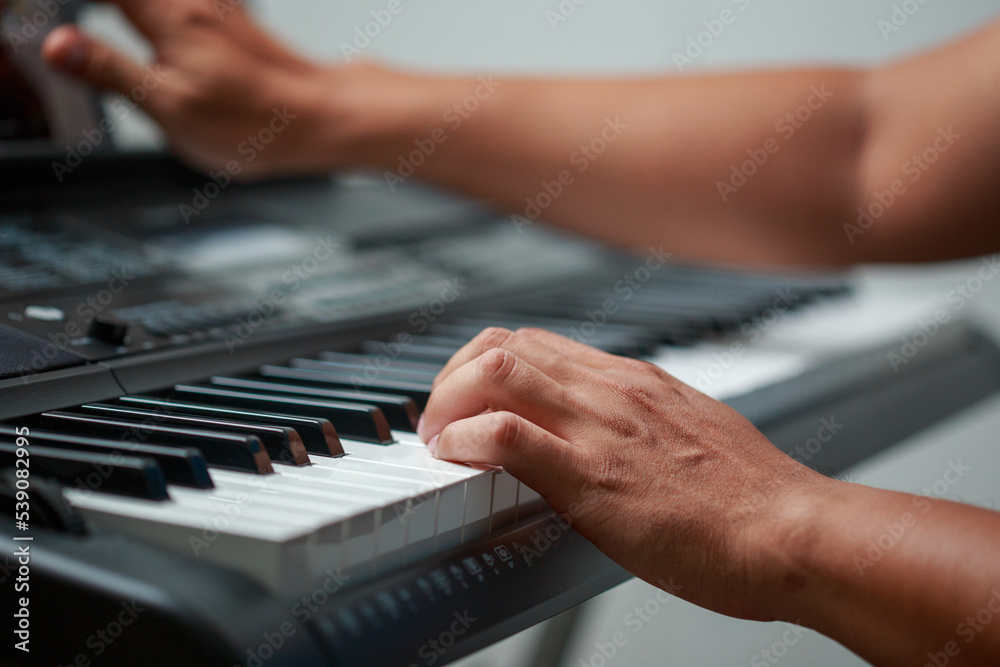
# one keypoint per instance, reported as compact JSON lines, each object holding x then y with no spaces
{"x":667,"y":174}
{"x":686,"y":494}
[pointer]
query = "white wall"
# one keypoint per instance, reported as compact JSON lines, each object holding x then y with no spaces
{"x":619,"y":34}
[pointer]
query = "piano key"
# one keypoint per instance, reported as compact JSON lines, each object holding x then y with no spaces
{"x":418,"y":391}
{"x":515,"y":320}
{"x":138,"y":477}
{"x":364,"y":422}
{"x":478,"y":486}
{"x":451,"y":487}
{"x":283,"y":444}
{"x":646,"y":320}
{"x":391,"y":489}
{"x":606,"y":337}
{"x":480,"y":516}
{"x":184,"y":467}
{"x":400,"y":411}
{"x":226,"y":450}
{"x":276,"y":554}
{"x":357,"y":507}
{"x":431,"y":353}
{"x":364,"y":360}
{"x":504,"y":509}
{"x":528,"y":501}
{"x":373,"y":371}
{"x":318,"y":435}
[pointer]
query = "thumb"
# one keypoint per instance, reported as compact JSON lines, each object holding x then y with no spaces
{"x":549,"y":465}
{"x":71,"y":51}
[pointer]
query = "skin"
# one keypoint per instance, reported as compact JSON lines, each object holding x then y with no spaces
{"x":670,"y":483}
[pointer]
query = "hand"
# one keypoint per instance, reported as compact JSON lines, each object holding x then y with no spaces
{"x":221,"y":88}
{"x":669,"y":483}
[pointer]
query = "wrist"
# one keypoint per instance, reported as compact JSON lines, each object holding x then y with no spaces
{"x":366,"y":116}
{"x":787,"y":547}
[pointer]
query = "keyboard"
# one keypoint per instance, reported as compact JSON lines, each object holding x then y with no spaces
{"x":233,"y":448}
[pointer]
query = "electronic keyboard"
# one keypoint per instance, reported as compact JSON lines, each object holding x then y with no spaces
{"x":220,"y":419}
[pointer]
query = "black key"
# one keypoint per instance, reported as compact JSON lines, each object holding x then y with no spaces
{"x":283,"y":444}
{"x":372,"y":372}
{"x":610,"y":338}
{"x":137,"y":477}
{"x":418,"y":391}
{"x":353,"y":420}
{"x":365,"y":360}
{"x":432,"y":349}
{"x":651,"y":325}
{"x":183,"y":467}
{"x":429,"y":353}
{"x":401,"y":411}
{"x":223,"y":450}
{"x":318,"y":435}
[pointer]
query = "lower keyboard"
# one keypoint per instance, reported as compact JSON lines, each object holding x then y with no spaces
{"x":125,"y":602}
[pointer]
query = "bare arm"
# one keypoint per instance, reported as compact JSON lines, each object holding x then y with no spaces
{"x":675,"y":486}
{"x":768,"y":168}
{"x":897,"y":578}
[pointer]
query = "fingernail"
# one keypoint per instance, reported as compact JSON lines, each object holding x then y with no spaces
{"x":433,"y":445}
{"x":75,"y":54}
{"x":420,"y":427}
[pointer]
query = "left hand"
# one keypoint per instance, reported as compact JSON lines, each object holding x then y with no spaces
{"x":226,"y":93}
{"x":665,"y":480}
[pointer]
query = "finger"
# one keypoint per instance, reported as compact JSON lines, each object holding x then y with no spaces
{"x":155,"y":18}
{"x":529,"y":344}
{"x":73,"y":52}
{"x":498,"y":381}
{"x":546,"y":463}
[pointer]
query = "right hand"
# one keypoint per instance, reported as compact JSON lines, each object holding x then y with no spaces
{"x":676,"y":487}
{"x":217,"y":80}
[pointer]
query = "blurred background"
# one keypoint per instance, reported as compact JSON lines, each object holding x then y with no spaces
{"x":643,"y":37}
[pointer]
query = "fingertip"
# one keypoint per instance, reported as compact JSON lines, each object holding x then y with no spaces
{"x":66,"y":48}
{"x":432,"y":445}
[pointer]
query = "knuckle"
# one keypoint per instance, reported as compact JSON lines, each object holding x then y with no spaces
{"x":505,"y":428}
{"x":497,"y":365}
{"x":534,"y":333}
{"x":492,"y":337}
{"x":639,"y":368}
{"x":609,"y":471}
{"x":192,"y":14}
{"x":182,"y":101}
{"x":634,"y":393}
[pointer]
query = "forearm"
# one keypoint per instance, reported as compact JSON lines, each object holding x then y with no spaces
{"x":755,"y":167}
{"x":893,"y":577}
{"x":794,"y":167}
{"x":782,"y":167}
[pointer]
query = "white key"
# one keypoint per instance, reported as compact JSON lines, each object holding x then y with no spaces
{"x":504,"y":500}
{"x":456,"y":523}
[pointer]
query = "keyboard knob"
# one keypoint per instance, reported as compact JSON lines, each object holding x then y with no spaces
{"x":108,"y":330}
